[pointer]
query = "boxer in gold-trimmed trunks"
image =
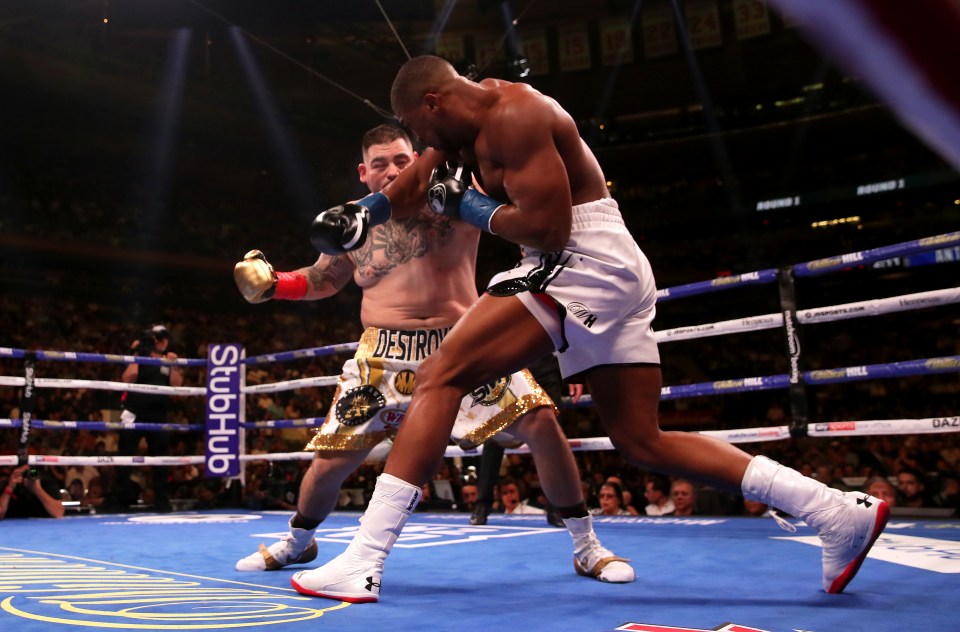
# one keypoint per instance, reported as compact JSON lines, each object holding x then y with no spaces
{"x":418,"y":279}
{"x":376,"y":385}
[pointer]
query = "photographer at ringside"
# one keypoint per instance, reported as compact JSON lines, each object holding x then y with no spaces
{"x":146,"y":408}
{"x":25,"y":495}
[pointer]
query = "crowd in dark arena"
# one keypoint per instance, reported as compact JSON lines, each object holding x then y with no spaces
{"x":100,"y":240}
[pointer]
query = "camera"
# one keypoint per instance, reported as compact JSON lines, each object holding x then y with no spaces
{"x":147,"y":342}
{"x":31,"y":473}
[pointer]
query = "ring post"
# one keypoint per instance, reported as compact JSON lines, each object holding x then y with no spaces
{"x":26,"y":406}
{"x":224,"y":410}
{"x":791,"y":329}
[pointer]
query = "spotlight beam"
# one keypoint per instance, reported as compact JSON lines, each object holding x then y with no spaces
{"x":279,"y":138}
{"x":717,"y":144}
{"x":607,"y":95}
{"x":273,"y":49}
{"x":439,"y":24}
{"x":157,"y":161}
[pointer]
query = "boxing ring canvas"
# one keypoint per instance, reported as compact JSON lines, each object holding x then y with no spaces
{"x":176,"y":572}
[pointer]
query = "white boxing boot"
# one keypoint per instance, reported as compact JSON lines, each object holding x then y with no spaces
{"x":297,"y":547}
{"x":355,"y":574}
{"x":847,"y":522}
{"x":591,"y":559}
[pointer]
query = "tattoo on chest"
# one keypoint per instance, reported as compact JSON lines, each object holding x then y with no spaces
{"x":399,"y":241}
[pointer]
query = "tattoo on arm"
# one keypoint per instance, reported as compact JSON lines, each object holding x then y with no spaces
{"x":329,"y":274}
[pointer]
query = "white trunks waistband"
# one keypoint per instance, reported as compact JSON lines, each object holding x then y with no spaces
{"x":408,"y":345}
{"x":605,"y":210}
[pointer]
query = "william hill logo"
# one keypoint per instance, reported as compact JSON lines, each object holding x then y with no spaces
{"x":73,"y":591}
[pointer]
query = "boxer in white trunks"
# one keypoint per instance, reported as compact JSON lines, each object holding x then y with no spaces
{"x":583,"y":289}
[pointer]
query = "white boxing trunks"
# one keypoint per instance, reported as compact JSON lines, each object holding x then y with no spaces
{"x":596,"y":298}
{"x":376,"y":385}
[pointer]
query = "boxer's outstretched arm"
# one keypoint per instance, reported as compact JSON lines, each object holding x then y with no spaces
{"x":258,"y":281}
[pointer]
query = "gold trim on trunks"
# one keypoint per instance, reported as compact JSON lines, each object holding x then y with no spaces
{"x":345,"y":442}
{"x":509,"y":415}
{"x":368,"y":342}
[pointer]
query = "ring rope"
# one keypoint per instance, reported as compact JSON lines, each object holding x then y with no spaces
{"x":313,"y":352}
{"x":306,"y":382}
{"x":813,"y":268}
{"x":929,"y":425}
{"x":82,"y":356}
{"x":844,"y":311}
{"x":105,"y":385}
{"x":903,"y":249}
{"x":104,"y":425}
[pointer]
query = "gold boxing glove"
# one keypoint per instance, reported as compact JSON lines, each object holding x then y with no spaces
{"x":255,"y":277}
{"x":258,"y":282}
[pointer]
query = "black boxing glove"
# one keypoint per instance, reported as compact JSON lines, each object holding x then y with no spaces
{"x":451,"y":194}
{"x":343,"y":228}
{"x":448,"y":182}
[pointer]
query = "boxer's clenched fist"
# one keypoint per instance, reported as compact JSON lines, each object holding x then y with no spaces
{"x":255,"y":277}
{"x":258,"y":282}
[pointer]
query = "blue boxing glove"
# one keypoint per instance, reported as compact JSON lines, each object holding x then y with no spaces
{"x":343,"y":228}
{"x":451,"y":195}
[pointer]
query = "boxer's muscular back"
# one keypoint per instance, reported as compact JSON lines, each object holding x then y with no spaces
{"x":417,"y":272}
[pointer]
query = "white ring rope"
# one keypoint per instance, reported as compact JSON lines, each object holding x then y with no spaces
{"x":105,"y":385}
{"x":859,"y":309}
{"x":746,"y":435}
{"x":306,"y":382}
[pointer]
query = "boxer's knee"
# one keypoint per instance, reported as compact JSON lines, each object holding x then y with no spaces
{"x":441,"y":371}
{"x":640,"y":447}
{"x":537,"y":426}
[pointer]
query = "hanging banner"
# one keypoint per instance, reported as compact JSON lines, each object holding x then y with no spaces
{"x":616,"y":45}
{"x":534,"y":46}
{"x":659,"y":36}
{"x":703,"y":24}
{"x":451,"y":46}
{"x":574,"y":47}
{"x":751,"y":18}
{"x":487,"y":49}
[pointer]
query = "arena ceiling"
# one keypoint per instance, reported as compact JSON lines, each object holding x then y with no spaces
{"x":92,"y":72}
{"x":334,"y":61}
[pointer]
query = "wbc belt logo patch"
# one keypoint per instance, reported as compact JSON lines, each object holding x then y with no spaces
{"x":359,"y":405}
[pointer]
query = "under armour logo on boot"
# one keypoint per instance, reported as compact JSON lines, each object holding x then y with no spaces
{"x":864,"y":501}
{"x":371,"y":584}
